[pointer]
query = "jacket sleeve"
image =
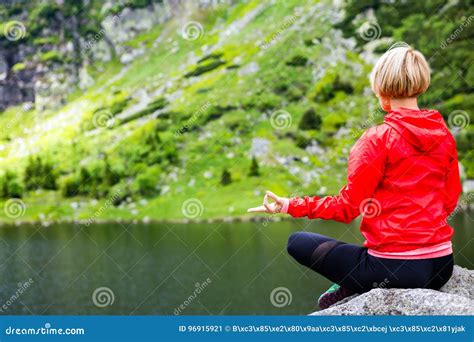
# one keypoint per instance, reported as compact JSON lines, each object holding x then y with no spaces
{"x":453,"y":183}
{"x":366,"y":168}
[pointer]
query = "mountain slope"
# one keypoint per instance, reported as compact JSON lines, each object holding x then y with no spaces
{"x":173,"y":132}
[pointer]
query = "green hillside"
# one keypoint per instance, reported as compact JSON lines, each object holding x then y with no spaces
{"x":222,"y":103}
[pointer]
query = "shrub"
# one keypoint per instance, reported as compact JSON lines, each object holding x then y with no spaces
{"x":70,"y":185}
{"x":110,"y":176}
{"x":155,"y":151}
{"x":205,"y":66}
{"x":310,"y":120}
{"x":468,"y":163}
{"x":54,"y":40}
{"x":39,"y":175}
{"x":94,"y":180}
{"x":119,"y":193}
{"x":263,"y":101}
{"x":465,"y":142}
{"x":15,"y":190}
{"x":41,"y":16}
{"x":139,"y":3}
{"x":297,"y":61}
{"x":327,"y":87}
{"x":146,"y":183}
{"x":51,"y":57}
{"x":302,"y":141}
{"x":118,"y":106}
{"x":211,"y":56}
{"x":18,"y":67}
{"x":85,"y":179}
{"x":10,"y":186}
{"x":171,"y":153}
{"x":150,"y":108}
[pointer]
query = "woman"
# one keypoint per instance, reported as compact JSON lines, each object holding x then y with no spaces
{"x":403,"y":179}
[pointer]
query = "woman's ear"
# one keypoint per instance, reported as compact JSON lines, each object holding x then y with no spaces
{"x":385,"y":103}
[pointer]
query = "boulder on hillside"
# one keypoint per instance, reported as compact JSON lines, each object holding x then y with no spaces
{"x":456,"y":297}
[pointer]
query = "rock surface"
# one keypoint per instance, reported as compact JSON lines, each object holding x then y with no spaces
{"x":456,"y":297}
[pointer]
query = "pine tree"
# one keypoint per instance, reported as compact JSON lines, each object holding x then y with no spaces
{"x":48,"y":177}
{"x":32,"y":171}
{"x":110,"y":178}
{"x":226,"y":177}
{"x":254,"y":169}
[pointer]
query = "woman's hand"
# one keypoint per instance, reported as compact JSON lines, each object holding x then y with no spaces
{"x":270,"y":208}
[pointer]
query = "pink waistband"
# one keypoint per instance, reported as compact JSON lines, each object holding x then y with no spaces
{"x":436,"y":251}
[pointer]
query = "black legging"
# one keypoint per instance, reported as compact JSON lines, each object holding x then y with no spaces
{"x":353,"y":268}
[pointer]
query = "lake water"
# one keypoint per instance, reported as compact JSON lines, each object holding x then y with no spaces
{"x":221,"y":268}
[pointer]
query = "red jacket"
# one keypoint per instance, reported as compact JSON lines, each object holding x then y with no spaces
{"x":403,"y":178}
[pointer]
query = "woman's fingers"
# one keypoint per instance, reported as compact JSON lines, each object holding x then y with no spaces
{"x":266,"y":204}
{"x":274,"y":197}
{"x":272,"y":208}
{"x":267,"y":207}
{"x":260,"y":209}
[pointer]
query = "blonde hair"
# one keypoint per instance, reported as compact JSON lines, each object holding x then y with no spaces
{"x":401,"y":72}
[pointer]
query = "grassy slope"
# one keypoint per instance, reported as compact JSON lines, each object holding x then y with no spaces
{"x":213,"y":145}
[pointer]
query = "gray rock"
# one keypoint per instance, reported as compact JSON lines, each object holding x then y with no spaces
{"x":461,"y":283}
{"x":131,"y":55}
{"x":468,"y":186}
{"x":129,"y":22}
{"x":454,"y":298}
{"x":260,"y":147}
{"x":249,"y":69}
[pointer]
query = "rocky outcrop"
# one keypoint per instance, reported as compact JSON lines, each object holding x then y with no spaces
{"x":42,"y":63}
{"x":454,"y":298}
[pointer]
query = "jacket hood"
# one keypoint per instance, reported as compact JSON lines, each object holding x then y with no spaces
{"x":424,"y":129}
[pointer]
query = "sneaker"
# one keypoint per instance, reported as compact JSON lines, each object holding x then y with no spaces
{"x":333,"y":295}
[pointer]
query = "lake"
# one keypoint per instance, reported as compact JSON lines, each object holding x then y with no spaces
{"x":189,"y":269}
